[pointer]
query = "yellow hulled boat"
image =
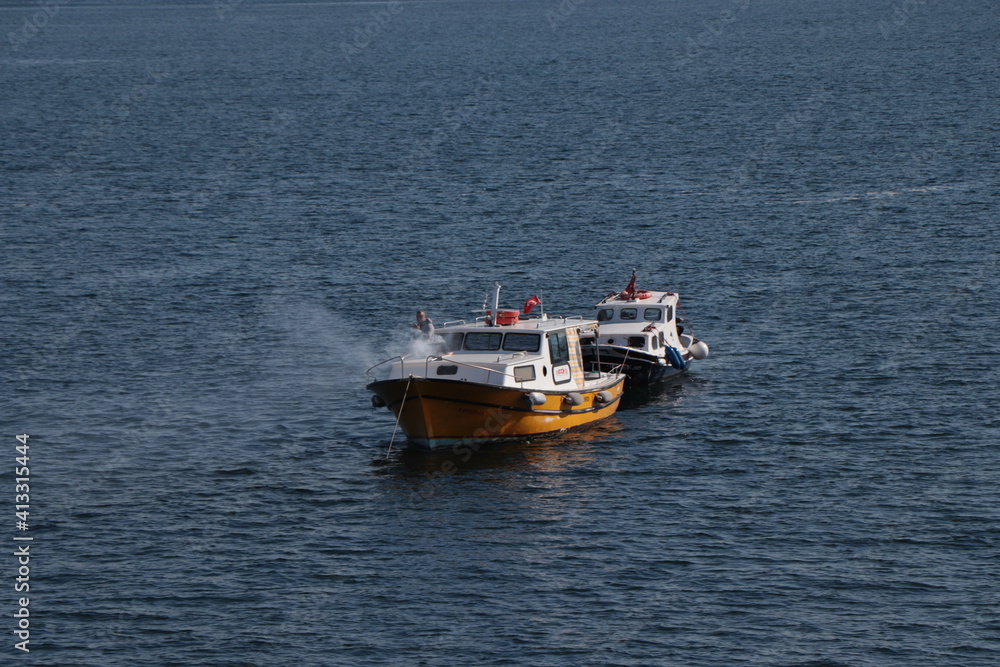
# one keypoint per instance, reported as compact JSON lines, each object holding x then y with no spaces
{"x":496,"y":378}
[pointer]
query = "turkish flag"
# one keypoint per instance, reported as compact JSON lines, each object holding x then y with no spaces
{"x":531,"y":303}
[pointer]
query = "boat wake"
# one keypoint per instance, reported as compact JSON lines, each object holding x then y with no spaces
{"x":881,"y":194}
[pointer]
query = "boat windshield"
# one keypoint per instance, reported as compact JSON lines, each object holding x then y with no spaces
{"x":516,"y":342}
{"x":452,"y":341}
{"x":483,"y":342}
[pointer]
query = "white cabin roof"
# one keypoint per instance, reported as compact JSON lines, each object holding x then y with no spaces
{"x":530,"y":324}
{"x":655,"y":299}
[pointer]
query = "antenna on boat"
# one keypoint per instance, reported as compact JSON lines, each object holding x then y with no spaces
{"x":496,"y":304}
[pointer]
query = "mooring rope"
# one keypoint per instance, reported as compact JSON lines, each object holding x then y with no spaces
{"x":402,"y":404}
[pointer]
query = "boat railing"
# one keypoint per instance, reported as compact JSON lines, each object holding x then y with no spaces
{"x":453,"y":323}
{"x":370,"y":373}
{"x":620,"y":368}
{"x":608,"y":367}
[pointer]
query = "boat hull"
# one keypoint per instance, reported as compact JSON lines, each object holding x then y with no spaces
{"x":639,"y":368}
{"x":441,"y":413}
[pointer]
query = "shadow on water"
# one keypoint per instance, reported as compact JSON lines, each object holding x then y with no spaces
{"x":422,"y":473}
{"x":408,"y":460}
{"x":661,"y":394}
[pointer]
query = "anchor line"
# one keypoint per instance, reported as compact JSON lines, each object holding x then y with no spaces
{"x":402,"y":406}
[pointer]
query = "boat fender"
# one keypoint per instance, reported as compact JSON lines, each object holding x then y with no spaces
{"x":535,"y":398}
{"x":573,"y":398}
{"x":377,"y":401}
{"x":699,"y":350}
{"x":674,"y":357}
{"x":603,"y":397}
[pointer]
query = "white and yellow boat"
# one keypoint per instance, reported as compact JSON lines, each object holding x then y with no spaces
{"x":496,"y":378}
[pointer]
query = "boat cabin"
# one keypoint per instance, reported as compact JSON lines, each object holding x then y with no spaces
{"x":647,"y":322}
{"x":537,"y":354}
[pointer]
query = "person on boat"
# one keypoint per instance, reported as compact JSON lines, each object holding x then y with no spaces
{"x":424,"y":324}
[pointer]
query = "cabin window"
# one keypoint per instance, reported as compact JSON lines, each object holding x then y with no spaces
{"x":637,"y":341}
{"x":482,"y":342}
{"x":450,"y":369}
{"x":452,"y":341}
{"x":558,"y":348}
{"x":652,"y":315}
{"x":524,"y":373}
{"x":670,"y":313}
{"x":656,"y":344}
{"x":605,"y":314}
{"x":628,"y":314}
{"x":516,"y":342}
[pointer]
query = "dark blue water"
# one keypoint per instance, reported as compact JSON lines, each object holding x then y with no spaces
{"x":215,"y":217}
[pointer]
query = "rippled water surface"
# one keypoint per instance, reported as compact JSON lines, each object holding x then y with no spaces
{"x":216,"y":217}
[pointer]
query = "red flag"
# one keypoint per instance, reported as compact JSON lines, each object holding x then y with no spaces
{"x":531,"y":303}
{"x":630,"y":290}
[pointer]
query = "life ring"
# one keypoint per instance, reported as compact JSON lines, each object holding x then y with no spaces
{"x":638,"y":294}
